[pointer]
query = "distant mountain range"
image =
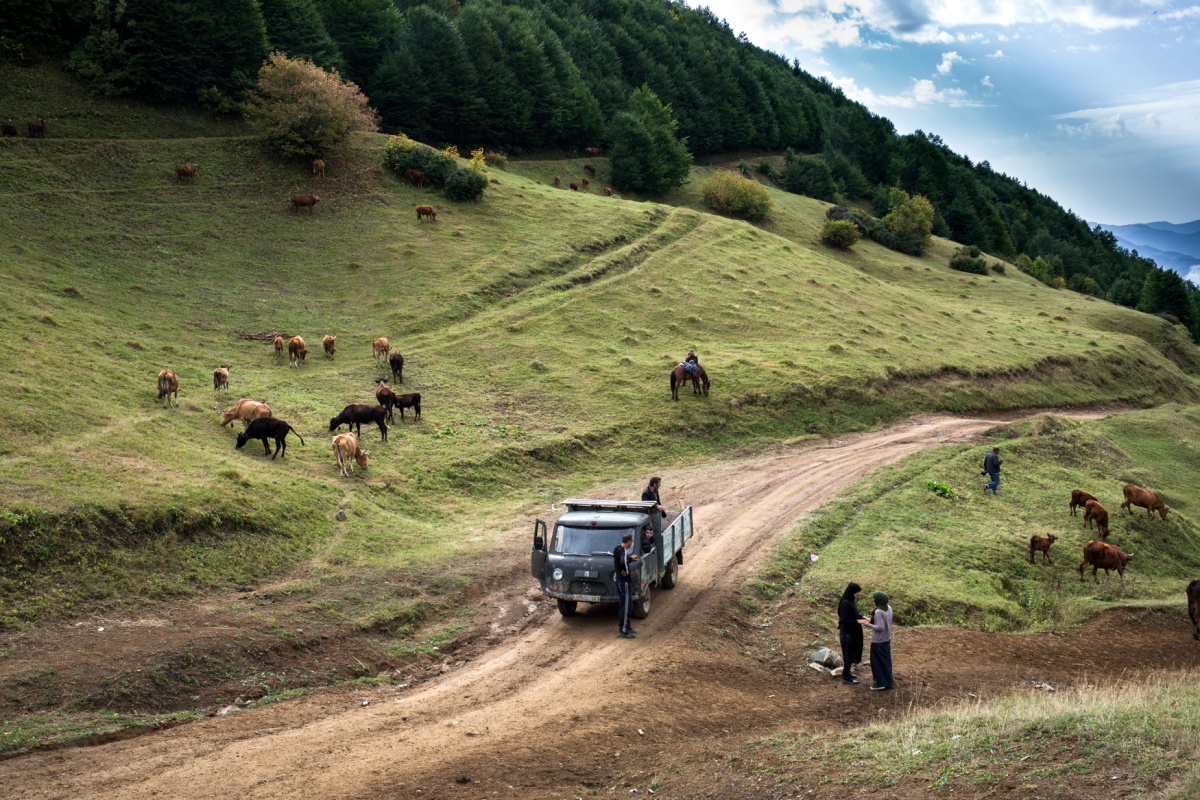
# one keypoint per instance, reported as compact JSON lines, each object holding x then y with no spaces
{"x":1173,"y":247}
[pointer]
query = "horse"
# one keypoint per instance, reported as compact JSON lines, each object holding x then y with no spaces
{"x":680,"y":376}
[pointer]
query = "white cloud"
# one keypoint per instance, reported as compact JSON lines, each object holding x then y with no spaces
{"x":987,"y":81}
{"x":1084,"y":48}
{"x":998,"y":55}
{"x":815,"y":24}
{"x":1168,"y":114}
{"x":921,"y":93}
{"x":948,"y":62}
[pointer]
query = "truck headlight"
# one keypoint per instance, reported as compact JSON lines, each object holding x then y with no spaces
{"x":558,"y":573}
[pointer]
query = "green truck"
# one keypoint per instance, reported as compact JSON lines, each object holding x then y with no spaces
{"x":573,"y":562}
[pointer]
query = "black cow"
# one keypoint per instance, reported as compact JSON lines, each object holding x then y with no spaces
{"x":403,"y":401}
{"x":1193,"y":595}
{"x":396,"y":361}
{"x":355,"y":414}
{"x":268,"y":428}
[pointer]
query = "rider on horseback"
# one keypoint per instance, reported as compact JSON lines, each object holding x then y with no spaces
{"x":692,"y":363}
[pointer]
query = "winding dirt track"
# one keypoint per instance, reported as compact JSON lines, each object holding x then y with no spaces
{"x":556,"y":707}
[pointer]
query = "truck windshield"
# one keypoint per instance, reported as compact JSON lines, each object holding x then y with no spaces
{"x":587,"y":541}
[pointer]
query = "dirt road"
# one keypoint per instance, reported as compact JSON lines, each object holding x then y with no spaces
{"x":556,"y":710}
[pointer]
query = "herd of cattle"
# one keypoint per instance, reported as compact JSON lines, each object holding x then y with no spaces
{"x":590,"y":170}
{"x":259,"y":422}
{"x":37,"y":128}
{"x":1101,"y":555}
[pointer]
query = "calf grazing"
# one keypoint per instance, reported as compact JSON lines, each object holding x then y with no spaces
{"x":318,"y":168}
{"x":1092,"y":510}
{"x":416,"y":177}
{"x":184,"y":172}
{"x":608,"y":191}
{"x":586,"y":183}
{"x":426,"y":211}
{"x":268,"y":428}
{"x":1144,"y":498}
{"x":8,"y":130}
{"x":278,"y":347}
{"x":557,"y":180}
{"x":412,"y":401}
{"x":330,"y":345}
{"x":574,"y":187}
{"x":168,"y":384}
{"x":247,"y":411}
{"x":385,"y":396}
{"x":347,"y":451}
{"x":1104,"y":556}
{"x":37,"y":128}
{"x":308,"y":201}
{"x":297,"y":351}
{"x":355,"y":414}
{"x":589,"y":169}
{"x":1041,"y":544}
{"x":1193,"y":596}
{"x":221,"y":378}
{"x":396,"y":362}
{"x":380,"y":348}
{"x":1079,"y":498}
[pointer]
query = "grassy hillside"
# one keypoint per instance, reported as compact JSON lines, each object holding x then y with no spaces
{"x":965,"y":559}
{"x":538,"y":325}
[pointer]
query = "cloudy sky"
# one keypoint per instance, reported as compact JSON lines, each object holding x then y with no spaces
{"x":1095,"y":103}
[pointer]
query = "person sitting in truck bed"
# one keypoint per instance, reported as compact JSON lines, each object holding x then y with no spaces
{"x":647,"y":538}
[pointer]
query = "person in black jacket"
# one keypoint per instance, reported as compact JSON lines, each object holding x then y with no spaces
{"x":850,"y":632}
{"x":991,"y":467}
{"x":650,"y":495}
{"x":622,"y":564}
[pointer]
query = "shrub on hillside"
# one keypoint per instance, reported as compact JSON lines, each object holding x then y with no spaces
{"x":861,"y":220}
{"x":998,"y":267}
{"x":464,"y":184}
{"x":736,"y":196}
{"x":840,"y":233}
{"x":304,"y":110}
{"x":911,"y":222}
{"x":402,"y":154}
{"x":969,"y":259}
{"x":809,"y":176}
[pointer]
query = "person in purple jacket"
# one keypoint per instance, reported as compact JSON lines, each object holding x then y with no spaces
{"x":880,"y":625}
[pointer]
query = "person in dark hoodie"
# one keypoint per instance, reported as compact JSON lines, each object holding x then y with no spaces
{"x":850,"y":632}
{"x":881,"y":642}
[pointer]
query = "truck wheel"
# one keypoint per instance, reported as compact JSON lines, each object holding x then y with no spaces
{"x":670,"y":575}
{"x":641,"y":608}
{"x":567,"y":607}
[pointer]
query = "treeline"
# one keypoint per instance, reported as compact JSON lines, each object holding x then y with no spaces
{"x":535,"y":75}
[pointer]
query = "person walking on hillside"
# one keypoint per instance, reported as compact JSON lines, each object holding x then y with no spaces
{"x":991,"y":466}
{"x":850,"y":632}
{"x":881,"y":642}
{"x":622,"y":566}
{"x":650,"y":495}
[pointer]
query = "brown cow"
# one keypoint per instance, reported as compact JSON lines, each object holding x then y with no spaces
{"x":589,"y":169}
{"x":593,"y":151}
{"x":608,"y":191}
{"x":221,"y":378}
{"x":557,"y":181}
{"x":345,"y":448}
{"x":184,"y":172}
{"x":385,"y":396}
{"x":308,"y":201}
{"x":318,"y":168}
{"x":1078,"y":498}
{"x":586,"y":183}
{"x":330,"y":345}
{"x":1104,"y":556}
{"x":416,"y":177}
{"x":297,"y":351}
{"x":426,"y":211}
{"x":278,"y":347}
{"x":8,"y":130}
{"x":1041,"y":544}
{"x":574,"y":187}
{"x":1092,"y":510}
{"x":1193,"y":596}
{"x":247,"y":411}
{"x":380,"y":348}
{"x":168,"y":384}
{"x":1144,"y":498}
{"x":37,"y":128}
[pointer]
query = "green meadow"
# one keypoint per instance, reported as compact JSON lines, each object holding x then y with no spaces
{"x":538,"y":324}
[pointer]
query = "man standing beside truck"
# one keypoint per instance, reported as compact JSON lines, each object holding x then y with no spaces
{"x":622,"y":559}
{"x":650,"y":495}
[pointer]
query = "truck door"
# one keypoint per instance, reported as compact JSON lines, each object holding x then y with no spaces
{"x":537,"y":560}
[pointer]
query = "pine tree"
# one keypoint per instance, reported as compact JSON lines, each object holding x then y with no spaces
{"x":295,"y":27}
{"x":646,"y":156}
